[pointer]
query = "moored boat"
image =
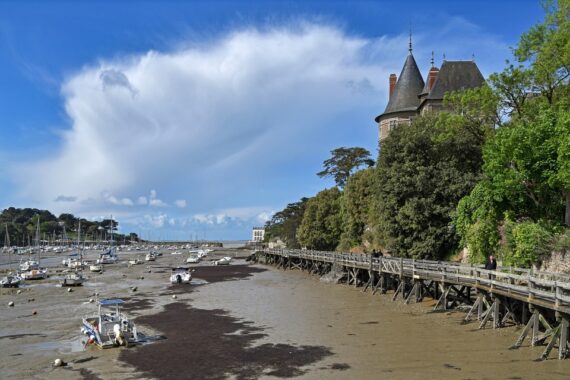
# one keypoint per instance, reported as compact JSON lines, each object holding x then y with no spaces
{"x":180,"y":275}
{"x":73,"y":279}
{"x":10,"y":281}
{"x":110,"y":327}
{"x":223,"y":261}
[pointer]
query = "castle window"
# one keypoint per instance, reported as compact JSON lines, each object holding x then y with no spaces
{"x":393,"y":124}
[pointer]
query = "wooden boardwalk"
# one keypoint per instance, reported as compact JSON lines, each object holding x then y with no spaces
{"x":538,"y":300}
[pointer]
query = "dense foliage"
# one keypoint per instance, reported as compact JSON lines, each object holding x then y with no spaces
{"x":284,"y":224}
{"x":21,"y":225}
{"x":420,"y":178}
{"x":322,"y":224}
{"x":524,"y":198}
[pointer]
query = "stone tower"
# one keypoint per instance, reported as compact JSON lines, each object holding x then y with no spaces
{"x":403,"y":103}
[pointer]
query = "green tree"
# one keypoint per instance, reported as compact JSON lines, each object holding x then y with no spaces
{"x":284,"y":224}
{"x":421,"y":177}
{"x":321,"y":226}
{"x":343,"y":162}
{"x":356,"y":203}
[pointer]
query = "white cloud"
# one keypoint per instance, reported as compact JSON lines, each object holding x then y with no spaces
{"x":180,"y":203}
{"x":154,"y":201}
{"x":203,"y":113}
{"x":116,"y":201}
{"x":224,"y":123}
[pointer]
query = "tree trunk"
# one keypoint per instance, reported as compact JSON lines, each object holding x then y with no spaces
{"x":567,"y":213}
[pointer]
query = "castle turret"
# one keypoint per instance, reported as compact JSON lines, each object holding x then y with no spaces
{"x":403,"y":102}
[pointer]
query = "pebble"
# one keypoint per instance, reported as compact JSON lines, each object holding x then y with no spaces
{"x":31,"y":299}
{"x":58,"y":363}
{"x":69,"y":290}
{"x":90,"y":300}
{"x":142,"y":277}
{"x":19,"y":291}
{"x":11,"y":303}
{"x":174,"y":296}
{"x":34,"y":312}
{"x":134,"y":288}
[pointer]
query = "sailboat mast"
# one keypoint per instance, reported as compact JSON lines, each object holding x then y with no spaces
{"x":38,"y":241}
{"x":8,"y":247}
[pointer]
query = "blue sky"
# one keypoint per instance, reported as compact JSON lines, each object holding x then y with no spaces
{"x":187,"y":119}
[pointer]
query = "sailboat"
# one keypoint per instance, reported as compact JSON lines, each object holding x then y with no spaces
{"x":10,"y":280}
{"x":110,"y":255}
{"x":75,"y":278}
{"x":31,"y":270}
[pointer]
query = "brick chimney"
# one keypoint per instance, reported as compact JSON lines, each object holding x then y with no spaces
{"x":432,"y":76}
{"x":393,"y":80}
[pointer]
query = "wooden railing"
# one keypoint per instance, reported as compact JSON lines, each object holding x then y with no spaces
{"x":550,"y":289}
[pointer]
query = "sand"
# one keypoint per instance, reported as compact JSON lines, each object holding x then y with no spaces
{"x":251,"y":321}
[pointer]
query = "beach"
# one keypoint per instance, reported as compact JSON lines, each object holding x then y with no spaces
{"x":250,"y":321}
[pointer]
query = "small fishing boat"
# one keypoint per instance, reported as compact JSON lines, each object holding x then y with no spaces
{"x":223,"y":261}
{"x":180,"y":275}
{"x":135,"y":261}
{"x":96,"y":268}
{"x":10,"y":281}
{"x":29,"y":265}
{"x":73,"y":279}
{"x":34,"y":274}
{"x":110,"y":327}
{"x":193,"y":259}
{"x":151,"y":256}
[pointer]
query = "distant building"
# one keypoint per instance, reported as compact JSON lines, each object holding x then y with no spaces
{"x":258,"y":234}
{"x":410,"y":96}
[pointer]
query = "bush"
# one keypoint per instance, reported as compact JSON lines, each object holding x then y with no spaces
{"x":529,"y":242}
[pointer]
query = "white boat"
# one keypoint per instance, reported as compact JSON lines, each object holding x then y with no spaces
{"x":29,"y":265}
{"x":31,"y":269}
{"x":151,"y":256}
{"x":108,"y":257}
{"x":10,"y":281}
{"x":135,"y":261}
{"x":180,"y":275}
{"x":34,"y":274}
{"x":193,"y":259}
{"x":223,"y":261}
{"x":73,"y":279}
{"x":110,"y":327}
{"x":96,"y":268}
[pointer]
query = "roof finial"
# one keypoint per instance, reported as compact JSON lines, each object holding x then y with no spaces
{"x":443,"y":57}
{"x":410,"y":44}
{"x":432,"y":60}
{"x":473,"y":57}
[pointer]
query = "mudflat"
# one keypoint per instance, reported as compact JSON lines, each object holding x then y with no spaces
{"x":247,"y":321}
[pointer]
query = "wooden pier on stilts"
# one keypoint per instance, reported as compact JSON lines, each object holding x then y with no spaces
{"x":539,"y":301}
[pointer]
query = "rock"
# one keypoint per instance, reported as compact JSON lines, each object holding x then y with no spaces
{"x":19,"y":291}
{"x":69,"y":290}
{"x":31,"y":299}
{"x":134,"y":289}
{"x":149,"y":271}
{"x":90,"y":300}
{"x":11,"y":303}
{"x":59,"y":363}
{"x":174,"y":296}
{"x":34,"y":312}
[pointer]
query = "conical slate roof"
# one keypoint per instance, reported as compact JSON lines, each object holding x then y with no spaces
{"x":409,"y":85}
